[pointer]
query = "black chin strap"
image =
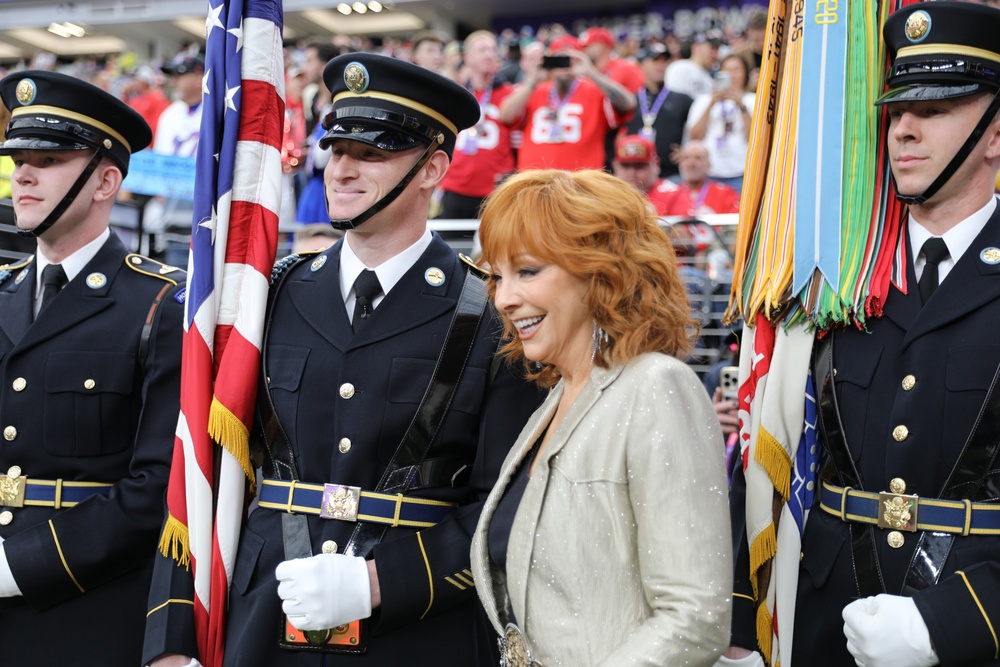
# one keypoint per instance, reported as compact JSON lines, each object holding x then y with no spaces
{"x":66,"y":200}
{"x":956,"y":162}
{"x":355,"y":222}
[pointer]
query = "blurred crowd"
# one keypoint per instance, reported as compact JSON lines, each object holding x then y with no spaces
{"x":548,"y":98}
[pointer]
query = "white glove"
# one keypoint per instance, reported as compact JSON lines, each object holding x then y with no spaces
{"x":887,"y":631}
{"x":8,"y":587}
{"x":324,"y":591}
{"x":175,"y":660}
{"x":751,"y":660}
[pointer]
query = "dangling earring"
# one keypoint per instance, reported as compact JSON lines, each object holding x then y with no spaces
{"x":600,"y":340}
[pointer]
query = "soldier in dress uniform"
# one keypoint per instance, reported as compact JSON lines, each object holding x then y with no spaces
{"x":377,"y":524}
{"x":90,"y":340}
{"x":900,"y":559}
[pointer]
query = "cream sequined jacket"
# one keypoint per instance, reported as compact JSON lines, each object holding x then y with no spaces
{"x":620,"y":549}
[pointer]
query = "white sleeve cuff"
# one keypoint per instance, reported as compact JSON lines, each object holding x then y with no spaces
{"x":8,"y":587}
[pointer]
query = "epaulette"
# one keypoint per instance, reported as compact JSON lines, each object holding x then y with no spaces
{"x":6,"y":270}
{"x":151,"y":267}
{"x":282,"y":266}
{"x":475,"y":268}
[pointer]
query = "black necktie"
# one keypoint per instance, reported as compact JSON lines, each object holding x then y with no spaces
{"x":53,"y":279}
{"x":366,"y":288}
{"x":934,"y":251}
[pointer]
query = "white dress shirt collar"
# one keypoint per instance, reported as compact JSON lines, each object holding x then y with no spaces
{"x":958,"y":239}
{"x":389,"y":272}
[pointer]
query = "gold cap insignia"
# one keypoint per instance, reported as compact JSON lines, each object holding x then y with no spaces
{"x":107,"y":144}
{"x":917,"y":25}
{"x":990,"y":255}
{"x":318,"y":263}
{"x":26,"y":91}
{"x":96,"y":280}
{"x":356,"y":77}
{"x":21,"y":276}
{"x":434,"y":276}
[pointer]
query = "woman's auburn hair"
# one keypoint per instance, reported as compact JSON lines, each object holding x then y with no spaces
{"x":604,"y":231}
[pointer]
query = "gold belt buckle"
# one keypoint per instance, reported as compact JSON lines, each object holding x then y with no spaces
{"x":897,"y":511}
{"x":12,"y":488}
{"x":340,"y":502}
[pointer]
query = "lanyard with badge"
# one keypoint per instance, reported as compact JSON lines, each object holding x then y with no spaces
{"x":649,"y":114}
{"x":555,"y":104}
{"x":470,"y":140}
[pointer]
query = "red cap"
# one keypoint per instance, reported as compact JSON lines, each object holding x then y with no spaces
{"x":566,"y":42}
{"x":633,"y":149}
{"x":597,"y":36}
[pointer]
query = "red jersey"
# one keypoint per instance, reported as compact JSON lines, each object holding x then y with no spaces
{"x":627,"y":73}
{"x":484,"y":152}
{"x":711,"y":198}
{"x":662,"y":196}
{"x":566,"y":133}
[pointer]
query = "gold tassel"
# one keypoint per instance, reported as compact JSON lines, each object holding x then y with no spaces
{"x":764,"y":631}
{"x":229,"y":431}
{"x":762,"y":550}
{"x":174,"y":542}
{"x":775,"y":460}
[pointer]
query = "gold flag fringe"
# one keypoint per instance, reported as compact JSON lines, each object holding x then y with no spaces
{"x":772,"y":456}
{"x":229,"y":431}
{"x":764,"y":630}
{"x":174,"y":542}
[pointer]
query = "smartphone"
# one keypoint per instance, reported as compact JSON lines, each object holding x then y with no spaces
{"x":555,"y":62}
{"x":729,"y":380}
{"x":722,"y":81}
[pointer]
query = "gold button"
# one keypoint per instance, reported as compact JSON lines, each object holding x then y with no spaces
{"x":19,"y":384}
{"x":895,"y":539}
{"x":9,"y":433}
{"x":345,"y":445}
{"x":908,"y":382}
{"x":900,"y":433}
{"x":6,"y":517}
{"x":897,"y":485}
{"x":89,"y":384}
{"x":14,"y":472}
{"x":346,"y":390}
{"x":329,"y":547}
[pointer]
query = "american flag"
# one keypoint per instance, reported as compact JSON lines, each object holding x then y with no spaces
{"x":233,"y":246}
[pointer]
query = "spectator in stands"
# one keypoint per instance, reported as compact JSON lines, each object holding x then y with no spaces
{"x":565,"y":111}
{"x":315,"y":96}
{"x":483,"y":153}
{"x":180,"y":123}
{"x":636,"y":163}
{"x":661,"y":114}
{"x":692,"y":74}
{"x":453,"y":65}
{"x":753,"y":49}
{"x":722,"y":121}
{"x":428,"y":50}
{"x":169,"y":219}
{"x":145,"y":94}
{"x":312,"y":199}
{"x":697,"y":194}
{"x":599,"y":45}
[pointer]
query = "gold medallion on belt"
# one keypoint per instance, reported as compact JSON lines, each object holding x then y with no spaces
{"x":897,"y":510}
